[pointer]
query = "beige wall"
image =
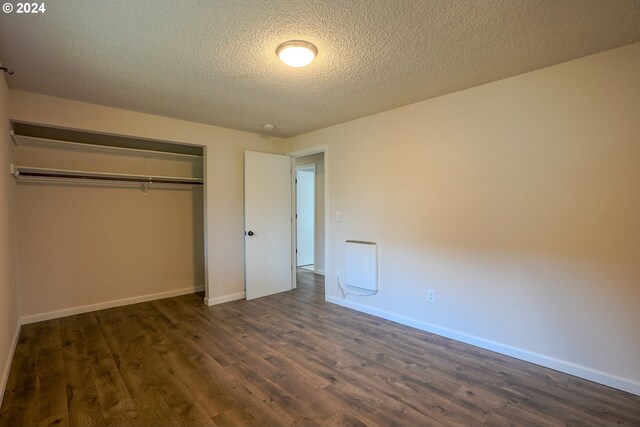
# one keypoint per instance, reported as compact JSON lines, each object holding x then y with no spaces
{"x":317,"y":160}
{"x":517,"y":201}
{"x":224,"y":153}
{"x":8,"y":297}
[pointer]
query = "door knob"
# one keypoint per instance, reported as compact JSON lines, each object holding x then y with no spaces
{"x":250,"y":233}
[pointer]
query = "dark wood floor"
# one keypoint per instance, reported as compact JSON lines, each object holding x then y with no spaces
{"x":287,"y":359}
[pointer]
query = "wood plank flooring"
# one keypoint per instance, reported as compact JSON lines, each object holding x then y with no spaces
{"x":287,"y":359}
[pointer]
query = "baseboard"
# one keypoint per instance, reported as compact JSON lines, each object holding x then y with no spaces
{"x":318,"y":271}
{"x":610,"y":380}
{"x":7,"y":365}
{"x":223,"y":299}
{"x":108,"y":304}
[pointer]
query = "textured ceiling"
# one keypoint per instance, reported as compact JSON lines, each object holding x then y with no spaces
{"x":214,"y":61}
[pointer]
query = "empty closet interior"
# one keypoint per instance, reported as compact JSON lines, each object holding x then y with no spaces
{"x":104,"y":219}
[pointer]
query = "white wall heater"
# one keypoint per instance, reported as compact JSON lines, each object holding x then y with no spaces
{"x":361,"y":265}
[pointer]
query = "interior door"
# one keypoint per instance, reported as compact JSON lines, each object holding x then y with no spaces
{"x":305,"y":215}
{"x":267,"y":219}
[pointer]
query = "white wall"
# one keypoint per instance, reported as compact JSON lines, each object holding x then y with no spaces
{"x":317,"y":160}
{"x":224,"y":150}
{"x":517,"y":201}
{"x":8,"y":299}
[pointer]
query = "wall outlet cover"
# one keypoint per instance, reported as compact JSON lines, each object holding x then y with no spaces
{"x":431,"y":296}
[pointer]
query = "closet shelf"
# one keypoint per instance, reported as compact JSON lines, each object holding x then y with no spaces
{"x":32,"y":141}
{"x":27,"y":173}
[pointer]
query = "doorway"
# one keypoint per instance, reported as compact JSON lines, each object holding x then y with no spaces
{"x":256,"y":232}
{"x":310,"y":212}
{"x":305,"y":216}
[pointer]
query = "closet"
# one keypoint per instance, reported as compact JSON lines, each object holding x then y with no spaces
{"x":104,"y":219}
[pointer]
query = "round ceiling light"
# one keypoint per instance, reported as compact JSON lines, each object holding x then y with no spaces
{"x":296,"y":53}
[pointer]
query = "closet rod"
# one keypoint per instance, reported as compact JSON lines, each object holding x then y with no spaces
{"x":110,"y":178}
{"x":26,"y":173}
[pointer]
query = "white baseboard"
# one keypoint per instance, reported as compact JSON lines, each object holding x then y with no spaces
{"x":7,"y":365}
{"x":590,"y":374}
{"x":318,"y":271}
{"x":223,"y":299}
{"x":107,"y":304}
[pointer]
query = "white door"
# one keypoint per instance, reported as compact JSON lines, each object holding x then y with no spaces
{"x":267,"y":220}
{"x":305,"y":212}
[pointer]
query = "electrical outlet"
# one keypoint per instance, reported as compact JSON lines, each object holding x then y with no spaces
{"x":431,"y":296}
{"x":338,"y":216}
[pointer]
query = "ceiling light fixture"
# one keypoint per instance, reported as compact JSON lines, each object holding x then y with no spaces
{"x":296,"y":53}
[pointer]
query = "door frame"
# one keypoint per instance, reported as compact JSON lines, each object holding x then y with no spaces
{"x":327,"y":223}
